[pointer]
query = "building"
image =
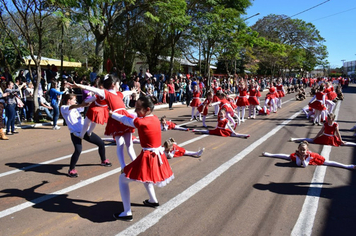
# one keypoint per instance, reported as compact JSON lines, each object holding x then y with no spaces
{"x":349,"y":68}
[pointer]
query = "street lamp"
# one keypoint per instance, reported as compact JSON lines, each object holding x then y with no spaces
{"x":252,"y":16}
{"x":343,"y":67}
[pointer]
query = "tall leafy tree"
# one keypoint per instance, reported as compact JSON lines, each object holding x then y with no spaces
{"x":29,"y":17}
{"x":306,"y":48}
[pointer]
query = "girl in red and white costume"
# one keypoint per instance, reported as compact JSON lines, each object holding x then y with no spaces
{"x":281,"y":93}
{"x":222,"y":128}
{"x":204,"y":107}
{"x":270,"y":101}
{"x":330,"y":96}
{"x":241,"y":100}
{"x":303,"y":157}
{"x":169,"y":125}
{"x":216,"y":88}
{"x":114,"y":98}
{"x":253,"y":100}
{"x":195,"y":101}
{"x":328,"y":135}
{"x":171,"y":149}
{"x":225,"y":104}
{"x":318,"y":104}
{"x":151,"y":167}
{"x":98,"y":113}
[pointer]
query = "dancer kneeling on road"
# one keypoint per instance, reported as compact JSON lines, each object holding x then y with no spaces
{"x":328,"y":135}
{"x":172,"y":150}
{"x":223,"y":128}
{"x":151,"y":167}
{"x":71,"y":114}
{"x":303,"y":157}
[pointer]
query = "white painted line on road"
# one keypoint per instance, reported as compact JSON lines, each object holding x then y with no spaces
{"x":43,"y":163}
{"x":55,"y":194}
{"x":305,"y":222}
{"x":153,"y":218}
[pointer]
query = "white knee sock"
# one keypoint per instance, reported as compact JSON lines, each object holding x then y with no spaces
{"x":91,"y":128}
{"x":125,"y":194}
{"x":193,"y":111}
{"x":204,"y":117}
{"x":129,"y":145}
{"x":151,"y":192}
{"x":239,"y":135}
{"x":216,"y":109}
{"x":278,"y":155}
{"x":309,"y":140}
{"x":120,"y":150}
{"x":179,"y":128}
{"x":190,"y":153}
{"x":337,"y":164}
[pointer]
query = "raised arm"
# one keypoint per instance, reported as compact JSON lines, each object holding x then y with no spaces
{"x":128,"y":121}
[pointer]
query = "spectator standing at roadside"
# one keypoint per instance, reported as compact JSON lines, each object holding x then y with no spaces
{"x":10,"y":109}
{"x":171,"y":92}
{"x":2,"y":106}
{"x":93,"y":75}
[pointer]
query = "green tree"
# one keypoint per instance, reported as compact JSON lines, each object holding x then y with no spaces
{"x":29,"y":17}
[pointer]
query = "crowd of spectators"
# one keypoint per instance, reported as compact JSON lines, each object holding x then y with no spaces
{"x":17,"y":95}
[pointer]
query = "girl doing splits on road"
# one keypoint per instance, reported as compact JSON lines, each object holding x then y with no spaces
{"x":328,"y":135}
{"x":303,"y":157}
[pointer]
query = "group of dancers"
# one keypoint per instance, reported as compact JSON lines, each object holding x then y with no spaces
{"x":151,"y":166}
{"x":320,"y":108}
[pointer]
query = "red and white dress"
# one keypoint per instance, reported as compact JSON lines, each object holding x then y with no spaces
{"x":177,"y":151}
{"x":252,"y":99}
{"x":98,"y":111}
{"x":151,"y":166}
{"x":329,"y":137}
{"x":116,"y":104}
{"x":312,"y":158}
{"x":280,"y":90}
{"x":330,"y":94}
{"x":196,"y":99}
{"x":319,"y":102}
{"x":204,"y":107}
{"x":225,"y":104}
{"x":216,"y":89}
{"x":169,"y":125}
{"x":221,"y":129}
{"x":270,"y":97}
{"x":242,"y":100}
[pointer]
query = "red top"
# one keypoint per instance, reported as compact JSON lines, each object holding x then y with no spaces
{"x":330,"y":130}
{"x":242,"y":92}
{"x":170,"y":88}
{"x":149,"y":131}
{"x":114,"y":101}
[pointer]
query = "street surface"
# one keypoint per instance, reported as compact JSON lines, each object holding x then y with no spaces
{"x":230,"y":190}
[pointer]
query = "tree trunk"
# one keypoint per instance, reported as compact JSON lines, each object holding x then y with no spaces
{"x":99,"y":51}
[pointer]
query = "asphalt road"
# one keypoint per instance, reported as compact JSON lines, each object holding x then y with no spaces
{"x":230,"y":190}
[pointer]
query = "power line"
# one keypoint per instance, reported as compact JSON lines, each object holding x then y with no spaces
{"x":335,"y":14}
{"x":309,"y":8}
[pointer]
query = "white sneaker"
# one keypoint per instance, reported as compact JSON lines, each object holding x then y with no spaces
{"x":200,"y":152}
{"x":56,"y":127}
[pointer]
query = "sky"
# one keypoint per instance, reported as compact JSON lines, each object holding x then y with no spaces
{"x":335,"y":20}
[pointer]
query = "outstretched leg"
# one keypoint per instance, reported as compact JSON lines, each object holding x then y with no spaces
{"x":240,"y":135}
{"x":309,"y":140}
{"x":337,"y":164}
{"x":277,"y":155}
